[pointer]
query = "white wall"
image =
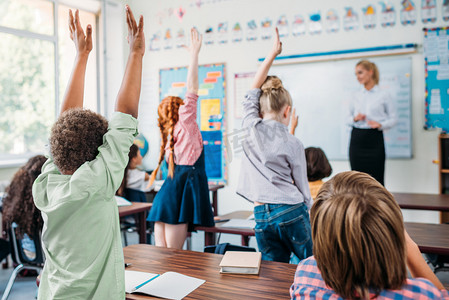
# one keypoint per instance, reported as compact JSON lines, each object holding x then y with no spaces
{"x":417,"y":175}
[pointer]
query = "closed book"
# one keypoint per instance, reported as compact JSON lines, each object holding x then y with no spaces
{"x":241,"y":262}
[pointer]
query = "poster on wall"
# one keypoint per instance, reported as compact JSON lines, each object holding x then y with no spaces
{"x":408,"y":12}
{"x":315,"y":26}
{"x":445,"y":10}
{"x":282,"y":25}
{"x":155,"y":42}
{"x":436,"y":54}
{"x":210,"y":113}
{"x":168,"y":39}
{"x":222,"y":33}
{"x":351,"y":19}
{"x":298,"y":26}
{"x":265,"y":28}
{"x":369,"y":17}
{"x":237,"y":33}
{"x":180,"y":38}
{"x":209,"y":35}
{"x":332,"y":21}
{"x":428,"y":11}
{"x":251,"y":31}
{"x":387,"y":15}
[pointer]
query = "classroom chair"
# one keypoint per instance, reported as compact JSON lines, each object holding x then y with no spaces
{"x":21,"y":259}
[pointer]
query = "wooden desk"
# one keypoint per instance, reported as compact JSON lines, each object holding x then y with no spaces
{"x":214,"y":189}
{"x":431,"y":238}
{"x":438,"y":202}
{"x":209,"y":232}
{"x":139,"y":208}
{"x":273,"y":282}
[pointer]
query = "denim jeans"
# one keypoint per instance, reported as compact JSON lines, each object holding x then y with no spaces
{"x":282,"y":229}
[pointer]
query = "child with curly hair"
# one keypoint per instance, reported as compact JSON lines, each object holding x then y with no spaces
{"x":75,"y":192}
{"x":360,"y":246}
{"x":183,"y":200}
{"x":18,"y":206}
{"x":273,"y":173}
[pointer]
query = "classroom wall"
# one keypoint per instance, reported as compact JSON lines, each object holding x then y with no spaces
{"x":417,"y":175}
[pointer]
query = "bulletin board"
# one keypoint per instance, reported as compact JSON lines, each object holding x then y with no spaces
{"x":436,"y":56}
{"x":211,"y":111}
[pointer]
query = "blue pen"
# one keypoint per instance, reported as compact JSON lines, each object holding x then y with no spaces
{"x":142,"y":284}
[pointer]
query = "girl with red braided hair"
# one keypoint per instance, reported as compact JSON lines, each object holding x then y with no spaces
{"x":183,"y":200}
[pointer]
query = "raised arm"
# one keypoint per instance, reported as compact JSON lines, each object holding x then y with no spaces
{"x":192,"y":75}
{"x":262,"y":72}
{"x":74,"y":93}
{"x":129,"y":93}
{"x":294,"y":122}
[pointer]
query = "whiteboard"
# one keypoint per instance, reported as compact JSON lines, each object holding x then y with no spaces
{"x":321,"y":93}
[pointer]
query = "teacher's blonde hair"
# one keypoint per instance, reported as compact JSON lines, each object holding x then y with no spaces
{"x":358,"y":236}
{"x":370,"y":66}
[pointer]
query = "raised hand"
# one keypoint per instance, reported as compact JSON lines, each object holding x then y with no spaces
{"x":277,"y":46}
{"x":136,"y":37}
{"x":82,"y":42}
{"x":294,"y":120}
{"x":196,"y":41}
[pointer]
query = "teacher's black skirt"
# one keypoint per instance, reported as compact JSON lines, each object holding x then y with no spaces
{"x":367,"y":152}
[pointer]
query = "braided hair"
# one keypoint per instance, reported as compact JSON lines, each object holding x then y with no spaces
{"x":168,"y":112}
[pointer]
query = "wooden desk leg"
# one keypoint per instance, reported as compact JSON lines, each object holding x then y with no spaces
{"x":142,"y":228}
{"x":214,"y":202}
{"x":245,"y":240}
{"x":209,"y":238}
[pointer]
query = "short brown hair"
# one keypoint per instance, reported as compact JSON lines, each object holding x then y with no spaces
{"x":370,"y":66}
{"x":75,"y":138}
{"x":358,"y":236}
{"x":318,"y":167}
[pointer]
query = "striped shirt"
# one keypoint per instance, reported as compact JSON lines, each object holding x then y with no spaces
{"x":376,"y":104}
{"x":308,"y":284}
{"x":274,"y":168}
{"x":187,"y":135}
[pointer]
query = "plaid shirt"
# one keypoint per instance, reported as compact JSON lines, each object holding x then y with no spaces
{"x":309,"y":284}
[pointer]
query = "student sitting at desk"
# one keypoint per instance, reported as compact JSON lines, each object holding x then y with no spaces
{"x":75,"y":192}
{"x":318,"y":167}
{"x":361,"y":249}
{"x":134,"y":181}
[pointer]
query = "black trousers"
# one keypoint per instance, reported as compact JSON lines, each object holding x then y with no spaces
{"x":367,"y":152}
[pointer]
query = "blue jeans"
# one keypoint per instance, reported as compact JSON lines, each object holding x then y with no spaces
{"x":282,"y":229}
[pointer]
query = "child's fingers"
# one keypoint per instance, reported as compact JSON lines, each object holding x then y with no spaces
{"x":141,"y":23}
{"x":200,"y":39}
{"x":78,"y":27}
{"x":132,"y":19}
{"x":71,"y":28}
{"x":89,"y":35}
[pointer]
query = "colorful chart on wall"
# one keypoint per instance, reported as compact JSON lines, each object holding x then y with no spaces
{"x":436,"y":55}
{"x":211,"y":111}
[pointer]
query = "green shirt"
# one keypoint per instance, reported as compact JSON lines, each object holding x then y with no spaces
{"x":81,"y":233}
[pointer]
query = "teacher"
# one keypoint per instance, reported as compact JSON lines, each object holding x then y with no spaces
{"x":371,"y":112}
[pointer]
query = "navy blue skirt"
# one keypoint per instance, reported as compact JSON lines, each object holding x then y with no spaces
{"x":184,"y":198}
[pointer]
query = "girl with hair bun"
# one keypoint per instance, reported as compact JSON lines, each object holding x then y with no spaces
{"x":273,"y":174}
{"x":183,"y":200}
{"x":371,"y":112}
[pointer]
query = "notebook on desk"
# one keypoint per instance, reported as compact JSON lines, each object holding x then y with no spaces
{"x":170,"y":285}
{"x":122,"y":201}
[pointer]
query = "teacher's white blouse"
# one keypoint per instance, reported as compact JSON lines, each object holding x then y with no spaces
{"x":376,"y":104}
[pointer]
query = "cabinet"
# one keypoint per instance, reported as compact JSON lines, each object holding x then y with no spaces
{"x":443,"y":158}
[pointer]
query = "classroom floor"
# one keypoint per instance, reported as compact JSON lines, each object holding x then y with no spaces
{"x":24,"y":288}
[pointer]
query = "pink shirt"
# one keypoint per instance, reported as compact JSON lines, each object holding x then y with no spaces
{"x":188,"y":140}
